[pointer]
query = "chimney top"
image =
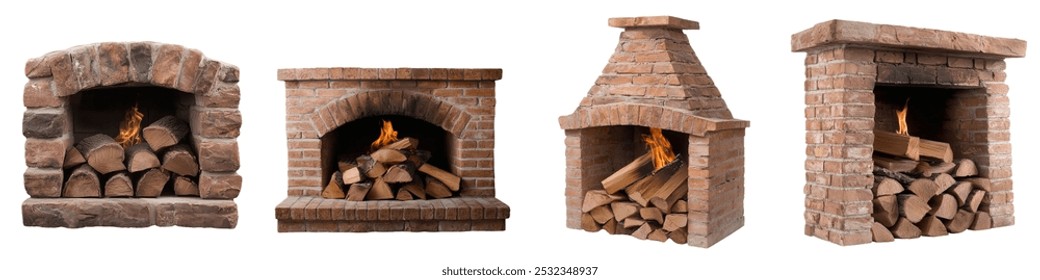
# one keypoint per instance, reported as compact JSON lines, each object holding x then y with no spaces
{"x":655,"y":21}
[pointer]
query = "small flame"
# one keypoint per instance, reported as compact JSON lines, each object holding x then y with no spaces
{"x":901,"y":115}
{"x":130,"y":127}
{"x":660,"y":148}
{"x":387,"y":135}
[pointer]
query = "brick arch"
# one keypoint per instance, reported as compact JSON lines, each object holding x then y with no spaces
{"x":648,"y":116}
{"x":337,"y":112}
{"x":112,"y":63}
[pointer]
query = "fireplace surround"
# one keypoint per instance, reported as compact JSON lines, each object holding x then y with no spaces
{"x":86,"y":90}
{"x":655,"y":81}
{"x":332,"y":112}
{"x":858,"y":74}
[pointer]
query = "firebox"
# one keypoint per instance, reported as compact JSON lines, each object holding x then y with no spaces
{"x":131,"y":134}
{"x":907,"y":131}
{"x":653,"y":151}
{"x":390,"y":149}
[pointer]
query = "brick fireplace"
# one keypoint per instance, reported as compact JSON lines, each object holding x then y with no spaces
{"x":655,"y":81}
{"x":77,"y":100}
{"x":333,"y":116}
{"x":858,"y":76}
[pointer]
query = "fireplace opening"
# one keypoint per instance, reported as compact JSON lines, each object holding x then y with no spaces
{"x":928,"y":113}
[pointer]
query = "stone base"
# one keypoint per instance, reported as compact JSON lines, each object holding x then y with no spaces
{"x":129,"y":212}
{"x":316,"y":214}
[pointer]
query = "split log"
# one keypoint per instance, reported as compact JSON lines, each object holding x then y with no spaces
{"x":371,"y":167}
{"x":419,"y":157}
{"x":434,"y":188}
{"x":632,"y":222}
{"x":671,"y":191}
{"x":351,"y":175}
{"x":886,"y":210}
{"x":388,"y":156}
{"x":982,"y":221}
{"x":623,"y":210}
{"x":913,"y":207}
{"x":601,"y":214}
{"x":102,"y":152}
{"x":880,"y":233}
{"x":925,"y":169}
{"x":905,"y":229}
{"x":635,"y":190}
{"x":597,"y":198}
{"x":417,"y":188}
{"x":380,"y":190}
{"x":611,"y":226}
{"x":931,"y":226}
{"x":658,"y":235}
{"x":943,"y":181}
{"x":960,"y":222}
{"x":83,"y":182}
{"x":679,"y":236}
{"x":886,"y":186}
{"x":895,"y":164}
{"x":981,"y":183}
{"x":334,"y":189}
{"x":902,"y":178}
{"x":343,"y":165}
{"x":164,"y":132}
{"x":974,"y":200}
{"x":673,"y":222}
{"x":637,"y":169}
{"x":588,"y":223}
{"x":651,"y":214}
{"x":399,"y":173}
{"x":935,"y":149}
{"x":965,"y":168}
{"x":445,"y":177}
{"x":680,"y":206}
{"x":184,"y":186}
{"x":180,"y":160}
{"x":960,"y":191}
{"x":358,"y":191}
{"x":643,"y":232}
{"x":140,"y":157}
{"x":943,"y":206}
{"x":73,"y":158}
{"x":403,"y":195}
{"x":923,"y":188}
{"x":406,"y":143}
{"x":119,"y":185}
{"x":659,"y":180}
{"x":897,"y":145}
{"x":152,"y":182}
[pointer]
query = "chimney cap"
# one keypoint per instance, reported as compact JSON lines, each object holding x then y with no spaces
{"x":654,"y":21}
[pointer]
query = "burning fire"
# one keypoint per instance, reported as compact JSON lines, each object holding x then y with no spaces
{"x":130,"y":128}
{"x":901,"y":115}
{"x":660,"y":148}
{"x":387,"y":135}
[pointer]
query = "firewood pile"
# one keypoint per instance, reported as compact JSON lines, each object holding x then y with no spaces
{"x":397,"y":170}
{"x":129,"y":166}
{"x":920,"y":189}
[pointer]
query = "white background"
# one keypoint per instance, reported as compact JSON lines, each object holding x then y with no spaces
{"x":551,"y":54}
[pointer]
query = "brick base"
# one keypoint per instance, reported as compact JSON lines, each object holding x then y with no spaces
{"x":129,"y":212}
{"x":315,"y":214}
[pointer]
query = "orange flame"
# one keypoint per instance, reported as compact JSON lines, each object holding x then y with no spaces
{"x":901,"y":115}
{"x":387,"y":135}
{"x":130,"y":127}
{"x":660,"y":148}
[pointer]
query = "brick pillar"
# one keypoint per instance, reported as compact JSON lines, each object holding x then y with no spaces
{"x":716,"y":186}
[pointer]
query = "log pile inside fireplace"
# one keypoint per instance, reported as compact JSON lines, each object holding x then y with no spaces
{"x":920,"y":189}
{"x":137,"y":163}
{"x":395,"y":169}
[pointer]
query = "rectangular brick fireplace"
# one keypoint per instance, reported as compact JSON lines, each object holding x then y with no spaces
{"x":949,"y":173}
{"x":438,"y":122}
{"x":88,"y":105}
{"x":654,"y":87}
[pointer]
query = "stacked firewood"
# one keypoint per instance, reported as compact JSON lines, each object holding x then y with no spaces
{"x":923,"y":190}
{"x":101,"y":166}
{"x":394,"y":171}
{"x":640,"y":201}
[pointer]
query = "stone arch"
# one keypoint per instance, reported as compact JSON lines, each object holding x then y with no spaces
{"x":337,"y":112}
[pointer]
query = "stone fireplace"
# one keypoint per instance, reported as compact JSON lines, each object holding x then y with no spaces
{"x":183,"y":109}
{"x":951,"y":91}
{"x":653,"y":84}
{"x":334,"y":117}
